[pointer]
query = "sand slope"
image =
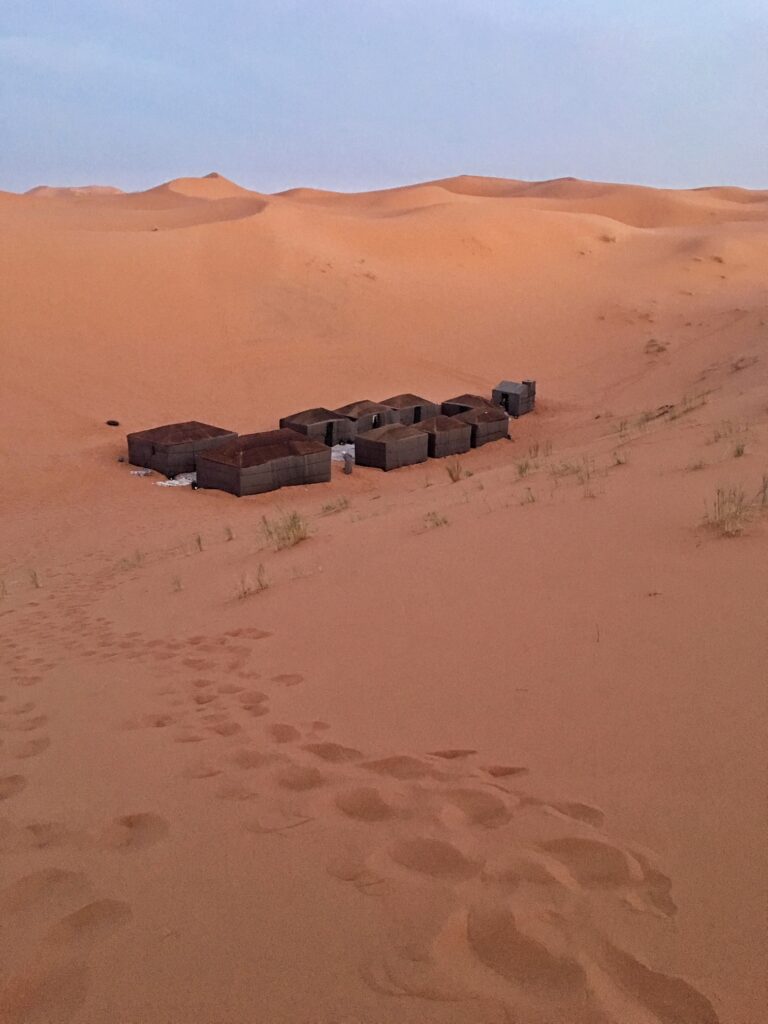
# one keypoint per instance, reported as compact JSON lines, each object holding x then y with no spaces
{"x":479,"y":751}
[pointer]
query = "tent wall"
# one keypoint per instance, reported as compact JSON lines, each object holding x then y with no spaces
{"x":172,"y":459}
{"x":392,"y":453}
{"x":442,"y":443}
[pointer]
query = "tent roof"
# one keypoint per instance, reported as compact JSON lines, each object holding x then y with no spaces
{"x":259,"y":449}
{"x":473,"y":401}
{"x":405,"y":401}
{"x":364,"y":408}
{"x":491,"y":414}
{"x":319,"y":415}
{"x":440,"y":424}
{"x":390,"y":432}
{"x":179,"y":433}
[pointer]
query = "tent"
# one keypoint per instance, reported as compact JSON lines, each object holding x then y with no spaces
{"x":173,"y":448}
{"x":255,"y":463}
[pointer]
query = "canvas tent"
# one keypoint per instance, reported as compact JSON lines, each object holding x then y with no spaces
{"x":487,"y":424}
{"x":173,"y":448}
{"x":367,"y":415}
{"x":517,"y":399}
{"x":322,"y":425}
{"x":411,"y":408}
{"x":255,"y":463}
{"x":391,"y":446}
{"x":446,"y":435}
{"x":453,"y":406}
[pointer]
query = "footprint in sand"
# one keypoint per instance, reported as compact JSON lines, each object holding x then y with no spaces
{"x":593,"y":862}
{"x":434,"y":857}
{"x":201,"y":770}
{"x":134,"y":832}
{"x":452,"y":754}
{"x":26,"y":724}
{"x":44,"y":992}
{"x":333,"y":752}
{"x":671,"y":1000}
{"x":402,"y":767}
{"x":580,"y":812}
{"x":30,"y":748}
{"x":364,"y":804}
{"x":281,"y":733}
{"x":503,"y":771}
{"x":288,"y":679}
{"x":153,"y":721}
{"x":479,"y":807}
{"x":250,"y":758}
{"x":10,"y":785}
{"x":225,"y":728}
{"x":90,"y":924}
{"x":497,"y":941}
{"x":232,"y":790}
{"x":47,"y":888}
{"x":299,"y":777}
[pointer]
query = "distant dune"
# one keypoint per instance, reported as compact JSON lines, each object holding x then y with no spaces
{"x":51,"y":192}
{"x":486,"y":746}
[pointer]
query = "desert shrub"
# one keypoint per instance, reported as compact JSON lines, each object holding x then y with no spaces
{"x":247,"y":586}
{"x":334,"y":506}
{"x":287,"y":530}
{"x":454,"y":470}
{"x":729,"y":511}
{"x":433,"y":519}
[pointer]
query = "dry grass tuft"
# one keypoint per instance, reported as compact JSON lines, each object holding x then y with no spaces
{"x":434,"y":519}
{"x":334,"y":506}
{"x":453,"y":469}
{"x":287,"y":530}
{"x":729,"y":512}
{"x":247,"y":586}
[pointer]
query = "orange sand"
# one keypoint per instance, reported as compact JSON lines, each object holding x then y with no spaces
{"x":504,"y":769}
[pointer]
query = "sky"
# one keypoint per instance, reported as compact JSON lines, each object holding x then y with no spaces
{"x":360,"y":94}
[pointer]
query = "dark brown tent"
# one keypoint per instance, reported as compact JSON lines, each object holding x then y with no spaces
{"x":173,"y":448}
{"x":323,"y":425}
{"x":447,"y":435}
{"x":391,"y":447}
{"x":517,"y":399}
{"x":453,"y":406}
{"x":411,"y":408}
{"x":489,"y":424}
{"x":255,"y":463}
{"x":367,"y":415}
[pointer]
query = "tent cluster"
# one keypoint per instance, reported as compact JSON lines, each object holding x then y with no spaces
{"x":400,"y":431}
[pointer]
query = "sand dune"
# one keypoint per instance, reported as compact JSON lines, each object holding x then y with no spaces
{"x":476,"y":751}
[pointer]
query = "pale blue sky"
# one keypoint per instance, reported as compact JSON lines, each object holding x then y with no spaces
{"x":355,"y":94}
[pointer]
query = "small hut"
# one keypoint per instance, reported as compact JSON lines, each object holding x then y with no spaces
{"x":391,"y":446}
{"x":173,"y":448}
{"x":367,"y":415}
{"x":447,"y":435}
{"x":487,"y":424}
{"x":411,"y":408}
{"x":517,"y":399}
{"x":255,"y":463}
{"x":322,"y":425}
{"x":462,"y":403}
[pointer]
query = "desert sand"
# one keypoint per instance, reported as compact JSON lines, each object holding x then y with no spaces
{"x":478,"y":752}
